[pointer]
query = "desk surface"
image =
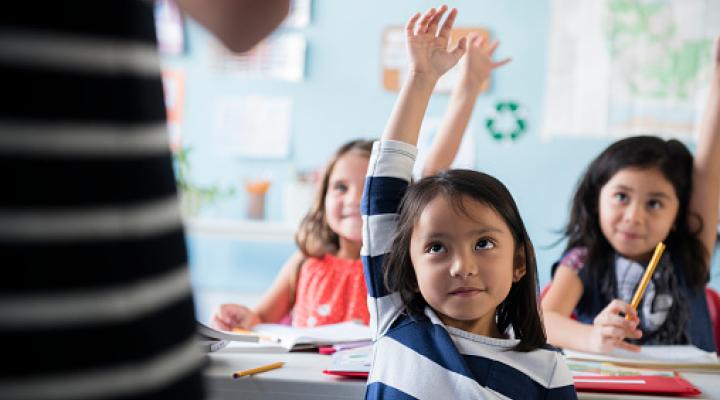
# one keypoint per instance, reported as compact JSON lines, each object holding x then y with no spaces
{"x":302,"y":378}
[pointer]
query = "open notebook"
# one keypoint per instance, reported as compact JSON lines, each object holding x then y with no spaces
{"x":282,"y":338}
{"x":685,"y":357}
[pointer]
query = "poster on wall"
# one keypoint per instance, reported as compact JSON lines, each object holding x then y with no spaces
{"x":252,"y":126}
{"x":280,"y":56}
{"x":174,"y":90}
{"x":394,"y":60}
{"x":169,"y":27}
{"x":621,"y":68}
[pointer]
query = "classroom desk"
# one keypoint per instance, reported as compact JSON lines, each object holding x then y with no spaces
{"x":302,"y":378}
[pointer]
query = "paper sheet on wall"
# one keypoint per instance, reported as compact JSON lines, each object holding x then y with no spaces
{"x":299,"y":14}
{"x":252,"y":126}
{"x":280,"y":56}
{"x":169,"y":27}
{"x":465,"y":157}
{"x":623,"y":67}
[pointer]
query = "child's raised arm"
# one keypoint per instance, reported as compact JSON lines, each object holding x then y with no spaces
{"x":706,"y":168}
{"x":476,"y":70}
{"x":429,"y":59}
{"x":392,"y":159}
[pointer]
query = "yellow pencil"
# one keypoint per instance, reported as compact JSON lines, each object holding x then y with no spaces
{"x":646,"y":277}
{"x":253,"y":371}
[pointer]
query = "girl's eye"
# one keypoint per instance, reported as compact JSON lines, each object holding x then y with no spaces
{"x":435,"y":248}
{"x":340,"y":187}
{"x":484,"y":244}
{"x":655,"y":204}
{"x":621,"y":197}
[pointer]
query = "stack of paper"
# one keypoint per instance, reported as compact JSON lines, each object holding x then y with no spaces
{"x":687,"y":358}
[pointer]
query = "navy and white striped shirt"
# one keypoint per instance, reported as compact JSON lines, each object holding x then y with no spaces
{"x":419,"y":357}
{"x":95,"y":299}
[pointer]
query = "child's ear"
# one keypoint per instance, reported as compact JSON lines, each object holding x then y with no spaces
{"x":520,"y":267}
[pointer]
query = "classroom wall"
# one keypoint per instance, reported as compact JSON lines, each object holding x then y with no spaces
{"x":342,"y":98}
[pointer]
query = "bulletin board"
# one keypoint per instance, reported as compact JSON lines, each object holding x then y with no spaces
{"x":394,"y":59}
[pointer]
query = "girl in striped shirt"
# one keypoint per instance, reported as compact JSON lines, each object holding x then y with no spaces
{"x":450,"y":270}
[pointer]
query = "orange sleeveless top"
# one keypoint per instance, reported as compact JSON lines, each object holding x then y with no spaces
{"x":330,"y":290}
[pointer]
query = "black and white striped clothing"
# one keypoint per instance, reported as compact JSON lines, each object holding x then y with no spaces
{"x":418,"y":356}
{"x":95,"y":300}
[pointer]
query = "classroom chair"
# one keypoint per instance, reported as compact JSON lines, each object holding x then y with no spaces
{"x":713,"y":301}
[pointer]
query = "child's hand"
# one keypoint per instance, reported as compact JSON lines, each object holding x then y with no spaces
{"x":478,"y":61}
{"x":610,"y":328}
{"x":230,"y":316}
{"x":428,"y":48}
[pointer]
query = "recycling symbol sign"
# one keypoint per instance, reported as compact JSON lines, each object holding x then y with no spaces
{"x":506,"y":121}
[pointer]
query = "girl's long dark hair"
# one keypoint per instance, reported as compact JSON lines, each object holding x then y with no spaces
{"x":519,"y":309}
{"x":675,"y":162}
{"x":314,"y":236}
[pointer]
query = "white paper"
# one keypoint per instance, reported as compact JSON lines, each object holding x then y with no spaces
{"x":620,"y":71}
{"x":651,"y":354}
{"x":169,"y":27}
{"x":299,"y":14}
{"x":279,"y":338}
{"x":253,"y":127}
{"x":280,"y":56}
{"x":352,"y":360}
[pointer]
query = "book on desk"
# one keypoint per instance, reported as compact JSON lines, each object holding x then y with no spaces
{"x":283,"y":338}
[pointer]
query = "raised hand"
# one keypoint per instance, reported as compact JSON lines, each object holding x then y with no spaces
{"x":428,"y":48}
{"x":610,"y":328}
{"x":478,"y":60}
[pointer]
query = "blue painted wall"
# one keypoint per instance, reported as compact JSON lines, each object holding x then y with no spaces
{"x":342,"y":98}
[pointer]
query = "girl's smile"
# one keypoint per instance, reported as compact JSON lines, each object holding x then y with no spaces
{"x":467,"y":291}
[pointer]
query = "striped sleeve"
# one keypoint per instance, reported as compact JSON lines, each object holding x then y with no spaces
{"x":388,"y":177}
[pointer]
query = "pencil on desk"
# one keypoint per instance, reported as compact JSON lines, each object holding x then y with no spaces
{"x":253,"y":371}
{"x":646,"y":277}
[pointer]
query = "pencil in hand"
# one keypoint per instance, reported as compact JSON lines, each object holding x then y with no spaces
{"x":257,"y":370}
{"x":646,"y":277}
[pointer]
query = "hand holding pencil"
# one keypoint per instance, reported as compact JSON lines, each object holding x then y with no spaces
{"x":648,"y":274}
{"x":619,"y":320}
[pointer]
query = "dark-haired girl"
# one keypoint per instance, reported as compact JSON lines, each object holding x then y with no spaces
{"x":636,"y":193}
{"x":450,"y":269}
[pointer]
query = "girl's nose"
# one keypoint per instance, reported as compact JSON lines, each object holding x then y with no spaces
{"x":633,"y":213}
{"x":463,"y":266}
